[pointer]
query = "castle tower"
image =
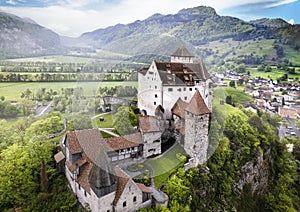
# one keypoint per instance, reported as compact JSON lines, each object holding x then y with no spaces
{"x":196,"y":129}
{"x":182,"y":55}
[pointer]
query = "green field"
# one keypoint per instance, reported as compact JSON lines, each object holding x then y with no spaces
{"x":274,"y":74}
{"x":12,"y":91}
{"x":163,"y":166}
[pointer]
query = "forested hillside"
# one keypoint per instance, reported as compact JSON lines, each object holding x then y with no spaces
{"x":23,"y":38}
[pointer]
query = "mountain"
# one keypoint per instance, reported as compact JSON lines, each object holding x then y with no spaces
{"x":23,"y":38}
{"x":196,"y":28}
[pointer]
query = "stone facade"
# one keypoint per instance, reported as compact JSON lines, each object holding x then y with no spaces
{"x":196,"y":137}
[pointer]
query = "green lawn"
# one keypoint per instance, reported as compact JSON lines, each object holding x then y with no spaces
{"x":12,"y":91}
{"x":107,"y":123}
{"x":164,"y":166}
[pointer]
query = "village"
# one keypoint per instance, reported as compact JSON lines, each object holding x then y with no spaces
{"x":268,"y":96}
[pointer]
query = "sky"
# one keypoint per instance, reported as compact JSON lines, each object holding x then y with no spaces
{"x":74,"y":17}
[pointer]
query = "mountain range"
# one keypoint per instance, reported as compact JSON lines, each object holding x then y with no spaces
{"x":196,"y":28}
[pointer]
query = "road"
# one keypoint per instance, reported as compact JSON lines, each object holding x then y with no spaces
{"x":42,"y":110}
{"x":294,"y":127}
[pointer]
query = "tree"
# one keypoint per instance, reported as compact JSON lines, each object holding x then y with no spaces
{"x":124,"y":120}
{"x":232,"y":83}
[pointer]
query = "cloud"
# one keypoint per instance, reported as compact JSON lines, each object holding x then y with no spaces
{"x":279,"y":3}
{"x":11,"y":2}
{"x":291,"y":21}
{"x":73,"y":17}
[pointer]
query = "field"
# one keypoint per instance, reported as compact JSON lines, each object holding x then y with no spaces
{"x":12,"y":91}
{"x":275,"y":74}
{"x":163,"y":166}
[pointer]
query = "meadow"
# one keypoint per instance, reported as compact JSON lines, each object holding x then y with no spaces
{"x":12,"y":91}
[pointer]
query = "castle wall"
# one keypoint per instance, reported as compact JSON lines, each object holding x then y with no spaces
{"x":131,"y":198}
{"x":149,"y":90}
{"x":171,"y":93}
{"x":151,"y":144}
{"x":102,"y":204}
{"x":182,"y":59}
{"x":196,"y":137}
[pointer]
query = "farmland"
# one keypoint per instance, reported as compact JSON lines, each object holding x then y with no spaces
{"x":12,"y":90}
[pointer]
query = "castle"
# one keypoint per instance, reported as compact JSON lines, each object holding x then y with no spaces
{"x":170,"y":96}
{"x":181,"y":92}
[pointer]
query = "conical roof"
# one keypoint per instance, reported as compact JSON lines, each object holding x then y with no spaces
{"x":197,"y":105}
{"x":182,"y":52}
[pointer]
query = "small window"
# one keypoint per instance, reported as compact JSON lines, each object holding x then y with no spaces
{"x":195,"y":89}
{"x":184,"y":89}
{"x":170,"y":89}
{"x":124,"y":204}
{"x":154,"y":103}
{"x":179,"y":89}
{"x":134,"y":199}
{"x":84,"y":193}
{"x":155,"y":87}
{"x":128,"y":149}
{"x":185,"y":98}
{"x":191,"y":89}
{"x":155,"y":95}
{"x":79,"y":187}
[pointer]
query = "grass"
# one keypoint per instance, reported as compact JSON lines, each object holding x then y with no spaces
{"x":107,"y":123}
{"x":106,"y":135}
{"x":12,"y":90}
{"x":274,"y":74}
{"x":238,"y":96}
{"x":165,"y":165}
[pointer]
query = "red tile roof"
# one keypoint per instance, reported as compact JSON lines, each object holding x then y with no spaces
{"x":59,"y":157}
{"x":179,"y":108}
{"x":117,"y":143}
{"x":143,"y":188}
{"x":134,"y":137}
{"x":197,"y":105}
{"x":182,"y":52}
{"x":74,"y":146}
{"x":83,"y":179}
{"x":149,"y":124}
{"x":122,"y":180}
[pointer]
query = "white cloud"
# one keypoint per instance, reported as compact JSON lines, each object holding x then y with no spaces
{"x":292,"y":21}
{"x":279,"y":3}
{"x":68,"y":17}
{"x":11,"y":2}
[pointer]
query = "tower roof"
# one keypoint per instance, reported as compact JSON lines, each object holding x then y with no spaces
{"x":197,"y":105}
{"x":182,"y":52}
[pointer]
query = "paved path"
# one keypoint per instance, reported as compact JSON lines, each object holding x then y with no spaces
{"x":108,"y":130}
{"x":99,"y":115}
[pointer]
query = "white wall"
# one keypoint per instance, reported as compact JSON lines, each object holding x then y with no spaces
{"x":149,"y":90}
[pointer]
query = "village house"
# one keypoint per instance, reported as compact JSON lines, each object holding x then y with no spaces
{"x":94,"y":179}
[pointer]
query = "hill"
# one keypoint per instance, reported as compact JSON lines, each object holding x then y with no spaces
{"x":23,"y":38}
{"x":198,"y":29}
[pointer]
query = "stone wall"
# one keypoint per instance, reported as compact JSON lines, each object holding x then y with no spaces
{"x":196,"y":137}
{"x":149,"y":144}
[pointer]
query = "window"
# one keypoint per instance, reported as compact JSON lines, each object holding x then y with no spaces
{"x":191,"y":89}
{"x":84,"y":193}
{"x":195,"y":88}
{"x":170,"y":89}
{"x":179,"y":89}
{"x":184,"y":89}
{"x":134,"y":199}
{"x":185,"y":98}
{"x":155,"y":87}
{"x":155,"y":95}
{"x":124,"y":204}
{"x":79,"y":187}
{"x":154,"y":103}
{"x":156,"y":141}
